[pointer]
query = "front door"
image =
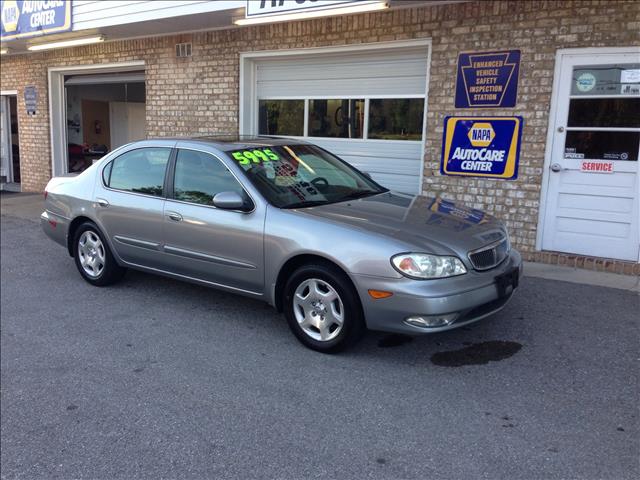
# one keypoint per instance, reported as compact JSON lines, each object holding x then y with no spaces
{"x":593,"y":185}
{"x":224,"y":247}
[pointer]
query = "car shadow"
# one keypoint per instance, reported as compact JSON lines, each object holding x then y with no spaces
{"x":490,"y":340}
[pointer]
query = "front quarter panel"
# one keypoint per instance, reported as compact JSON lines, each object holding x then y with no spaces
{"x":290,"y":233}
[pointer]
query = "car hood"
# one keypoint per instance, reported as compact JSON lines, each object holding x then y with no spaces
{"x":425,"y":224}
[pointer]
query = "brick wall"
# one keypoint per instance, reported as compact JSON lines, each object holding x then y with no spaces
{"x":199,"y":95}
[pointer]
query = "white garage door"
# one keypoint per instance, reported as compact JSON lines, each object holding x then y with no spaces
{"x":366,"y":106}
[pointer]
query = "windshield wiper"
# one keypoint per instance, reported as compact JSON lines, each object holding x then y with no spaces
{"x":308,"y":203}
{"x":359,"y":194}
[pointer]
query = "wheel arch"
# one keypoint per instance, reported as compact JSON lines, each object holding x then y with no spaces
{"x":73,"y":227}
{"x":71,"y":233}
{"x":293,"y":263}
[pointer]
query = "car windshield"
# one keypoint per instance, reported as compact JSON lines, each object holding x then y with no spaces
{"x":297,"y":176}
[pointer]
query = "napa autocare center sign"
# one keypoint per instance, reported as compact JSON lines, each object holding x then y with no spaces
{"x":23,"y":18}
{"x":487,"y":79}
{"x":481,"y":146}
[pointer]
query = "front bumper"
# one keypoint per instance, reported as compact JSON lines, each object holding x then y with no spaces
{"x":471,"y":297}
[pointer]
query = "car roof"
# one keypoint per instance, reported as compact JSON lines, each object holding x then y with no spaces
{"x":239,"y":142}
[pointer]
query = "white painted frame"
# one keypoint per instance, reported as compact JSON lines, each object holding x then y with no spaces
{"x":7,"y":94}
{"x":247,"y":120}
{"x":58,"y":106}
{"x":560,"y":54}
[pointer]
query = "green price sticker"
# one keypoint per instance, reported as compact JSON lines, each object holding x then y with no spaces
{"x":245,"y":157}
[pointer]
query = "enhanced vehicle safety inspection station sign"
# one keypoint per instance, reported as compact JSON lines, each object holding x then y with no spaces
{"x":481,"y":146}
{"x":487,"y":79}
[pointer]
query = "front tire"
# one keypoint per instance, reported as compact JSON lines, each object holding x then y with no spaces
{"x":93,"y":257}
{"x":322,"y":308}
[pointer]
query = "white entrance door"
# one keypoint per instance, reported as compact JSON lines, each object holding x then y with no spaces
{"x":127,"y":122}
{"x":593,"y":181}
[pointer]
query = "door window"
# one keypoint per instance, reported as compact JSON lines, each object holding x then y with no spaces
{"x":139,"y":171}
{"x":341,"y":118}
{"x":356,"y":118}
{"x":603,"y":121}
{"x":281,"y":117}
{"x":200,"y":176}
{"x":396,"y":118}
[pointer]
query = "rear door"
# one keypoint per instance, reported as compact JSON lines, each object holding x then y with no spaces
{"x":223,"y":247}
{"x":130,"y":201}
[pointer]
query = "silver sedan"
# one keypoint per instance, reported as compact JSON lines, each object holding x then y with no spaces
{"x":291,"y":224}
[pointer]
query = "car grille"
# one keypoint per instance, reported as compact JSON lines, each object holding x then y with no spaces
{"x":490,"y":256}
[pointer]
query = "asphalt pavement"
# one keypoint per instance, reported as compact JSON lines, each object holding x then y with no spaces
{"x":154,"y":378}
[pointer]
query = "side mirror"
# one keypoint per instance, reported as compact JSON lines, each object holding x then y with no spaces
{"x":367,"y":174}
{"x":229,"y":201}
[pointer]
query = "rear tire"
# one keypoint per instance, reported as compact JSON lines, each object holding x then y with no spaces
{"x":93,"y":257}
{"x":322,"y":308}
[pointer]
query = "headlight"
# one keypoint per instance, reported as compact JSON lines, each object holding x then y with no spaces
{"x":422,"y":265}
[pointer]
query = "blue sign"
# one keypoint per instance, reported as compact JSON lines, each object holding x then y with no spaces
{"x":467,"y":214}
{"x":30,"y":99}
{"x":481,"y":146}
{"x":487,"y":79}
{"x":24,"y":18}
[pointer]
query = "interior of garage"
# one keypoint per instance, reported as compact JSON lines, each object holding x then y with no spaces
{"x":103,"y":112}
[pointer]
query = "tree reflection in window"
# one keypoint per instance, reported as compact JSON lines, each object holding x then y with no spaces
{"x":140,"y":171}
{"x":396,"y":118}
{"x":199,"y":176}
{"x":281,"y":117}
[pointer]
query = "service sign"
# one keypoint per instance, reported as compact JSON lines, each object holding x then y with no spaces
{"x":257,"y":8}
{"x":596,"y":167}
{"x":24,"y":18}
{"x":481,"y":146}
{"x":488,"y":79}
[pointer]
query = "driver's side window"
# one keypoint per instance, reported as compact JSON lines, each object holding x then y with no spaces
{"x":199,"y":176}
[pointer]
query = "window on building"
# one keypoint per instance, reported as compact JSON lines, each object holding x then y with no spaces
{"x":602,"y":145}
{"x":281,"y":117}
{"x":200,"y":176}
{"x":604,"y":113}
{"x":396,"y":118}
{"x":621,"y":112}
{"x":140,"y":171}
{"x":338,"y":118}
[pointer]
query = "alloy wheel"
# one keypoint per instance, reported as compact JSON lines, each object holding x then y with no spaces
{"x":318,"y":309}
{"x":92,"y":253}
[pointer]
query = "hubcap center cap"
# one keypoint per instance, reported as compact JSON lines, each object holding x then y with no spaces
{"x":319,"y":308}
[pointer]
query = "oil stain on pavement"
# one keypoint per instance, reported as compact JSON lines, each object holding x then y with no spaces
{"x":476,"y":354}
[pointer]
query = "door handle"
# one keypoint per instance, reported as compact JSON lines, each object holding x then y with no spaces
{"x":175,"y":216}
{"x":556,"y":167}
{"x":102,"y":202}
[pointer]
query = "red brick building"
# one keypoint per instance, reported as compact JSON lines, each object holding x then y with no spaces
{"x":391,"y":72}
